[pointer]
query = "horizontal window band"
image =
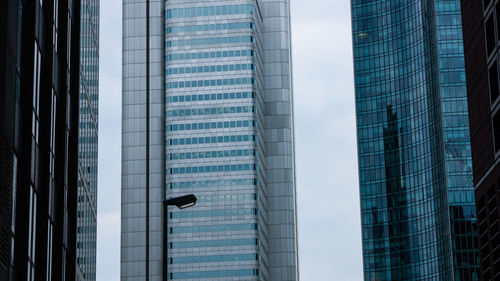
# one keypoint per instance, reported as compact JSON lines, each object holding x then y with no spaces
{"x":213,"y":243}
{"x":213,"y":139}
{"x":212,"y":183}
{"x":211,"y":27}
{"x":212,"y":83}
{"x":213,"y":125}
{"x":208,"y":97}
{"x":213,"y":169}
{"x":212,"y":154}
{"x":214,"y":258}
{"x":213,"y":228}
{"x":206,"y":11}
{"x":210,"y":55}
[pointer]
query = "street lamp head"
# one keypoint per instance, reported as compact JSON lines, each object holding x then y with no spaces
{"x":182,"y":202}
{"x":186,"y":205}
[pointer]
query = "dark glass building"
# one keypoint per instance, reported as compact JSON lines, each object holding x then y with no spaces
{"x":87,"y":149}
{"x":481,"y":21}
{"x":415,"y":171}
{"x":39,"y":62}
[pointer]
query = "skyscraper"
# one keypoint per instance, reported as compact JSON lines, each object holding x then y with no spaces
{"x":208,"y":109}
{"x":481,"y":26}
{"x":87,"y":146}
{"x":417,"y":196}
{"x":39,"y":67}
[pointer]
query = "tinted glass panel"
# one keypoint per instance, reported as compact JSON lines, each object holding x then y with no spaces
{"x":486,"y":3}
{"x":496,"y":129}
{"x":493,"y":73}
{"x":497,"y":12}
{"x":490,"y":34}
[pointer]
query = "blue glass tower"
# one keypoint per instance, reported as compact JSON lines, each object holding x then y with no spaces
{"x":417,"y":201}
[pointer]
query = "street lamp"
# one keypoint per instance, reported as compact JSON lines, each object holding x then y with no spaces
{"x":181,"y":202}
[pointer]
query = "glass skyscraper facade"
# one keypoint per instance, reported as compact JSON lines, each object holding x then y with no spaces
{"x":88,"y":133}
{"x":417,"y":196}
{"x":39,"y":75}
{"x":208,"y":109}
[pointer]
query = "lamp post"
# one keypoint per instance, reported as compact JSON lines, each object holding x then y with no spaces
{"x":181,"y":202}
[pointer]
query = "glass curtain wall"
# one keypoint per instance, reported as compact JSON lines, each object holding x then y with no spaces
{"x":88,"y":133}
{"x":215,"y":140}
{"x":417,"y":203}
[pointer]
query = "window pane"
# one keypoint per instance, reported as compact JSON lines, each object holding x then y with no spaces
{"x":496,"y":131}
{"x":493,"y":75}
{"x":490,"y":34}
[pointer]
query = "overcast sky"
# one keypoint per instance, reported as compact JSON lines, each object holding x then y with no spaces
{"x":327,"y":184}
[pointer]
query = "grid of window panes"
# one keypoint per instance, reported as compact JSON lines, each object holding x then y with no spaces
{"x":88,"y":128}
{"x":408,"y":60}
{"x":214,"y":140}
{"x":456,"y":137}
{"x":492,"y":32}
{"x":488,"y":211}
